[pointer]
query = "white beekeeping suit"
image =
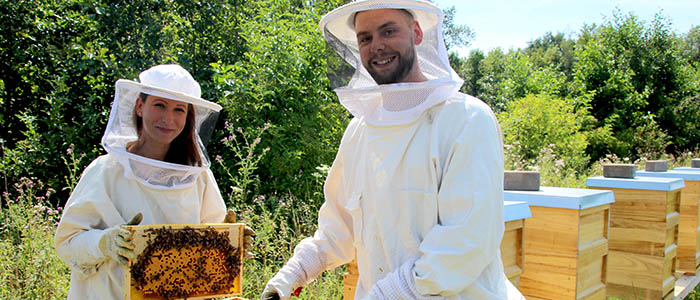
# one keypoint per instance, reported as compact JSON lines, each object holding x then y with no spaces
{"x":120,"y":184}
{"x":417,"y":185}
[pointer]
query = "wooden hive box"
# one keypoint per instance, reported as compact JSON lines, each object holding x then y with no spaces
{"x":511,"y":248}
{"x":350,"y":280}
{"x":178,"y":261}
{"x":643,"y":235}
{"x":566,"y":243}
{"x":688,"y":233}
{"x":512,"y":254}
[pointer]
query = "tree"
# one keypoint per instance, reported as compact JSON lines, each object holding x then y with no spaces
{"x":635,"y":75}
{"x":456,"y":35}
{"x":690,"y":46}
{"x":552,"y":51}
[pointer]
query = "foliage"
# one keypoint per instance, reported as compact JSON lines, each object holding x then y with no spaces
{"x":505,"y":77}
{"x":456,"y":35}
{"x":28,"y":261}
{"x":555,"y":51}
{"x":637,"y":79}
{"x":53,"y":86}
{"x":640,"y":79}
{"x":280,"y":224}
{"x":243,"y":145}
{"x":538,"y":122}
{"x":690,"y":47}
{"x":281,"y":80}
{"x":469,"y":70}
{"x":61,"y":59}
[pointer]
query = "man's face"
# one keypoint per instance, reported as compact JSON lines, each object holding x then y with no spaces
{"x":387,"y":39}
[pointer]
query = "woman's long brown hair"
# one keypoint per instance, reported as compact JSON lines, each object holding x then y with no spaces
{"x":183,"y":149}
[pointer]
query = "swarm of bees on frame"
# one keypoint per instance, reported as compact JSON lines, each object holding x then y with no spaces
{"x":185,"y":263}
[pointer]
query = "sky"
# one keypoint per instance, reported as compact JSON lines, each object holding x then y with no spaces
{"x":511,"y":24}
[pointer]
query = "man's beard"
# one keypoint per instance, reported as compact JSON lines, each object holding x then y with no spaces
{"x":405,"y":64}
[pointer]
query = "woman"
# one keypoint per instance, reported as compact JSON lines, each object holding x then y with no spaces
{"x":155,"y":169}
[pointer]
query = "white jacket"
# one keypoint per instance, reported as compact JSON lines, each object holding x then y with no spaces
{"x":104,"y":198}
{"x":430,"y":191}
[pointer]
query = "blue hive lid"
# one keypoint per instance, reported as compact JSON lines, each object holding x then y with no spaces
{"x":687,"y":169}
{"x":558,"y":197}
{"x":685,"y":175}
{"x":637,"y":183}
{"x":516,"y":210}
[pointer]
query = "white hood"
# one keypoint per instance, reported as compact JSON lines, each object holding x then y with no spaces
{"x":168,"y":81}
{"x":388,"y":104}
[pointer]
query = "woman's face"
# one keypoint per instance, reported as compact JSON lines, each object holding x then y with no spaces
{"x":162,"y":119}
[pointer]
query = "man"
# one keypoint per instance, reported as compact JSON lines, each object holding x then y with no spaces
{"x":416,"y":189}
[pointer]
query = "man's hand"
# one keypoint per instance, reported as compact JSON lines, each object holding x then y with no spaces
{"x":248,"y":233}
{"x":116,"y":242}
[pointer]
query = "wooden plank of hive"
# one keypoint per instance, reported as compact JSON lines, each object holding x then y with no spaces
{"x":512,"y":250}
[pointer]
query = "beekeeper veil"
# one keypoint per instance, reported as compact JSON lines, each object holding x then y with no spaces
{"x":170,"y":82}
{"x":395,"y":103}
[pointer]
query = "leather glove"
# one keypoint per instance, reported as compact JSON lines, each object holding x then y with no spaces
{"x":248,"y":234}
{"x":116,"y":242}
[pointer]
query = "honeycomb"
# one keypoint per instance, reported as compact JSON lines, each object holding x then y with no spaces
{"x":184,"y":262}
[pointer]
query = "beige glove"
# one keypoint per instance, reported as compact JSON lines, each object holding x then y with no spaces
{"x":116,"y":242}
{"x":248,"y":233}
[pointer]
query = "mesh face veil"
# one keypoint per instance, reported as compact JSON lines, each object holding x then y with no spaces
{"x":395,"y":103}
{"x":166,"y":81}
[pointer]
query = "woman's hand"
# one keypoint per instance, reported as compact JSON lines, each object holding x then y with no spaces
{"x":116,"y":242}
{"x":248,"y":233}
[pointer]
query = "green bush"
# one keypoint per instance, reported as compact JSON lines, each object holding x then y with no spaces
{"x":538,"y":122}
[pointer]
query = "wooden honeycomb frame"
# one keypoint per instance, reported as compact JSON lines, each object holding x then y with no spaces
{"x":195,"y":258}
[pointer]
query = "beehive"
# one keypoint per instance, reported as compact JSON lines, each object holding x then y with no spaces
{"x":515,"y":213}
{"x":185,"y":261}
{"x":566,"y":242}
{"x":643,"y":239}
{"x":688,"y":234}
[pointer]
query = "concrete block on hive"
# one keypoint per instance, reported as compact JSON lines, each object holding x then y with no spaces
{"x":656,"y":166}
{"x":619,"y":170}
{"x":695,"y":163}
{"x":521,"y":181}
